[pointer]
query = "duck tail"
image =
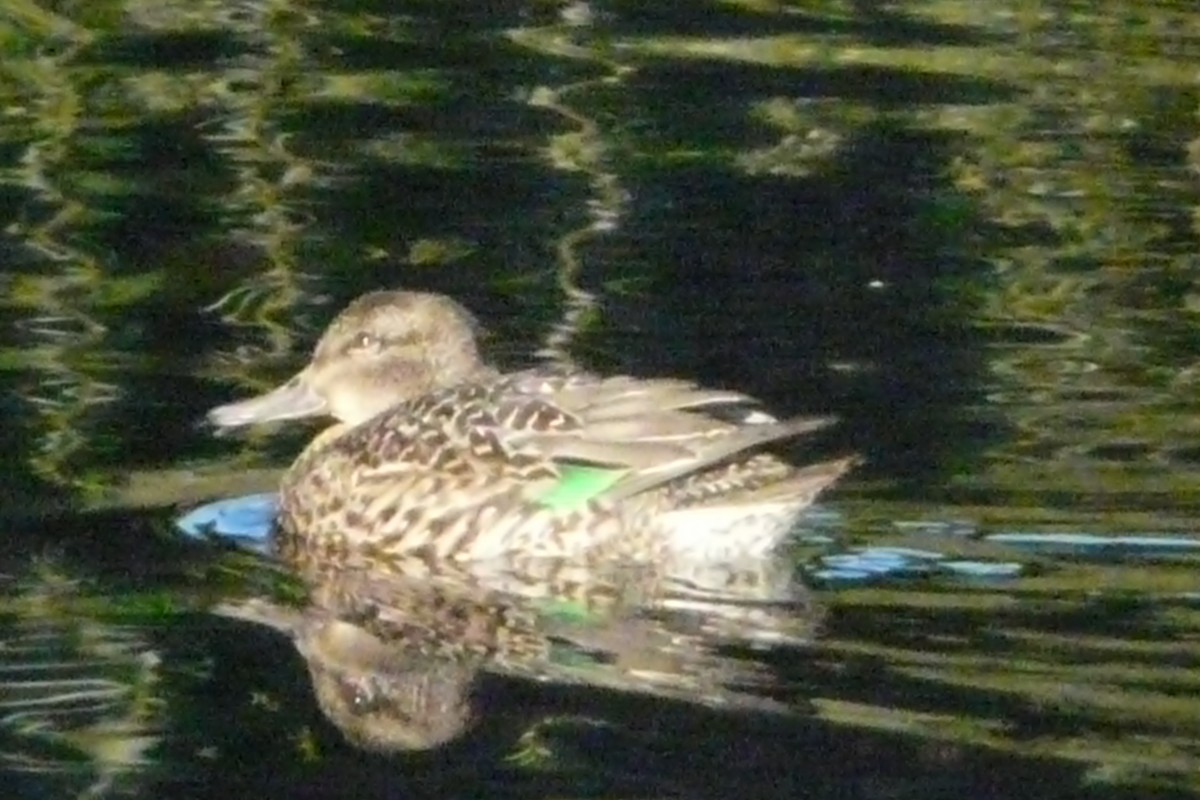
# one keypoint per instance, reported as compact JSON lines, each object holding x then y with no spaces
{"x":750,"y":523}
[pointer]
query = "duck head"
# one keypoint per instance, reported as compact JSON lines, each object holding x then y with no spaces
{"x":384,"y":348}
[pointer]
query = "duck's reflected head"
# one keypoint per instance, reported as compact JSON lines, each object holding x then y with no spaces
{"x":384,"y":348}
{"x":381,"y":697}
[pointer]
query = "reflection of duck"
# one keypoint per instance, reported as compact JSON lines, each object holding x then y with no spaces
{"x":381,"y":697}
{"x":439,"y":454}
{"x":394,"y":661}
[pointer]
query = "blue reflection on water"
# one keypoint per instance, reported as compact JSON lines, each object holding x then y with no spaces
{"x":1093,"y":545}
{"x":868,"y":564}
{"x":245,"y":520}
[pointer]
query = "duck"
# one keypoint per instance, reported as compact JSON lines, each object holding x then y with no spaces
{"x":436,"y":454}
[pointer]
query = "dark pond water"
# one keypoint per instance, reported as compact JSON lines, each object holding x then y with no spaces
{"x":970,"y":230}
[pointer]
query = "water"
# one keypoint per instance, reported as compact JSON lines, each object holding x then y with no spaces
{"x":970,"y":232}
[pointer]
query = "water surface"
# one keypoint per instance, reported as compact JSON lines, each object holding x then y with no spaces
{"x":968,"y":231}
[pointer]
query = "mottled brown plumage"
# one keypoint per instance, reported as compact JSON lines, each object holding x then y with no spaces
{"x":437,"y":453}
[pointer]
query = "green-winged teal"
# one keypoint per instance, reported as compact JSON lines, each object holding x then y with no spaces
{"x":436,"y":453}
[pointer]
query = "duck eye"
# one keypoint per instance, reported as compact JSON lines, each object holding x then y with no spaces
{"x":359,"y":696}
{"x":364,"y":341}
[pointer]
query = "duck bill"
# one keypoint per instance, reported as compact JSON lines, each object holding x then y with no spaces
{"x":292,"y":400}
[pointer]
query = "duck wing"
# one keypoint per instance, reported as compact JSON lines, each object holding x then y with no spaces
{"x":651,"y":431}
{"x":568,"y":439}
